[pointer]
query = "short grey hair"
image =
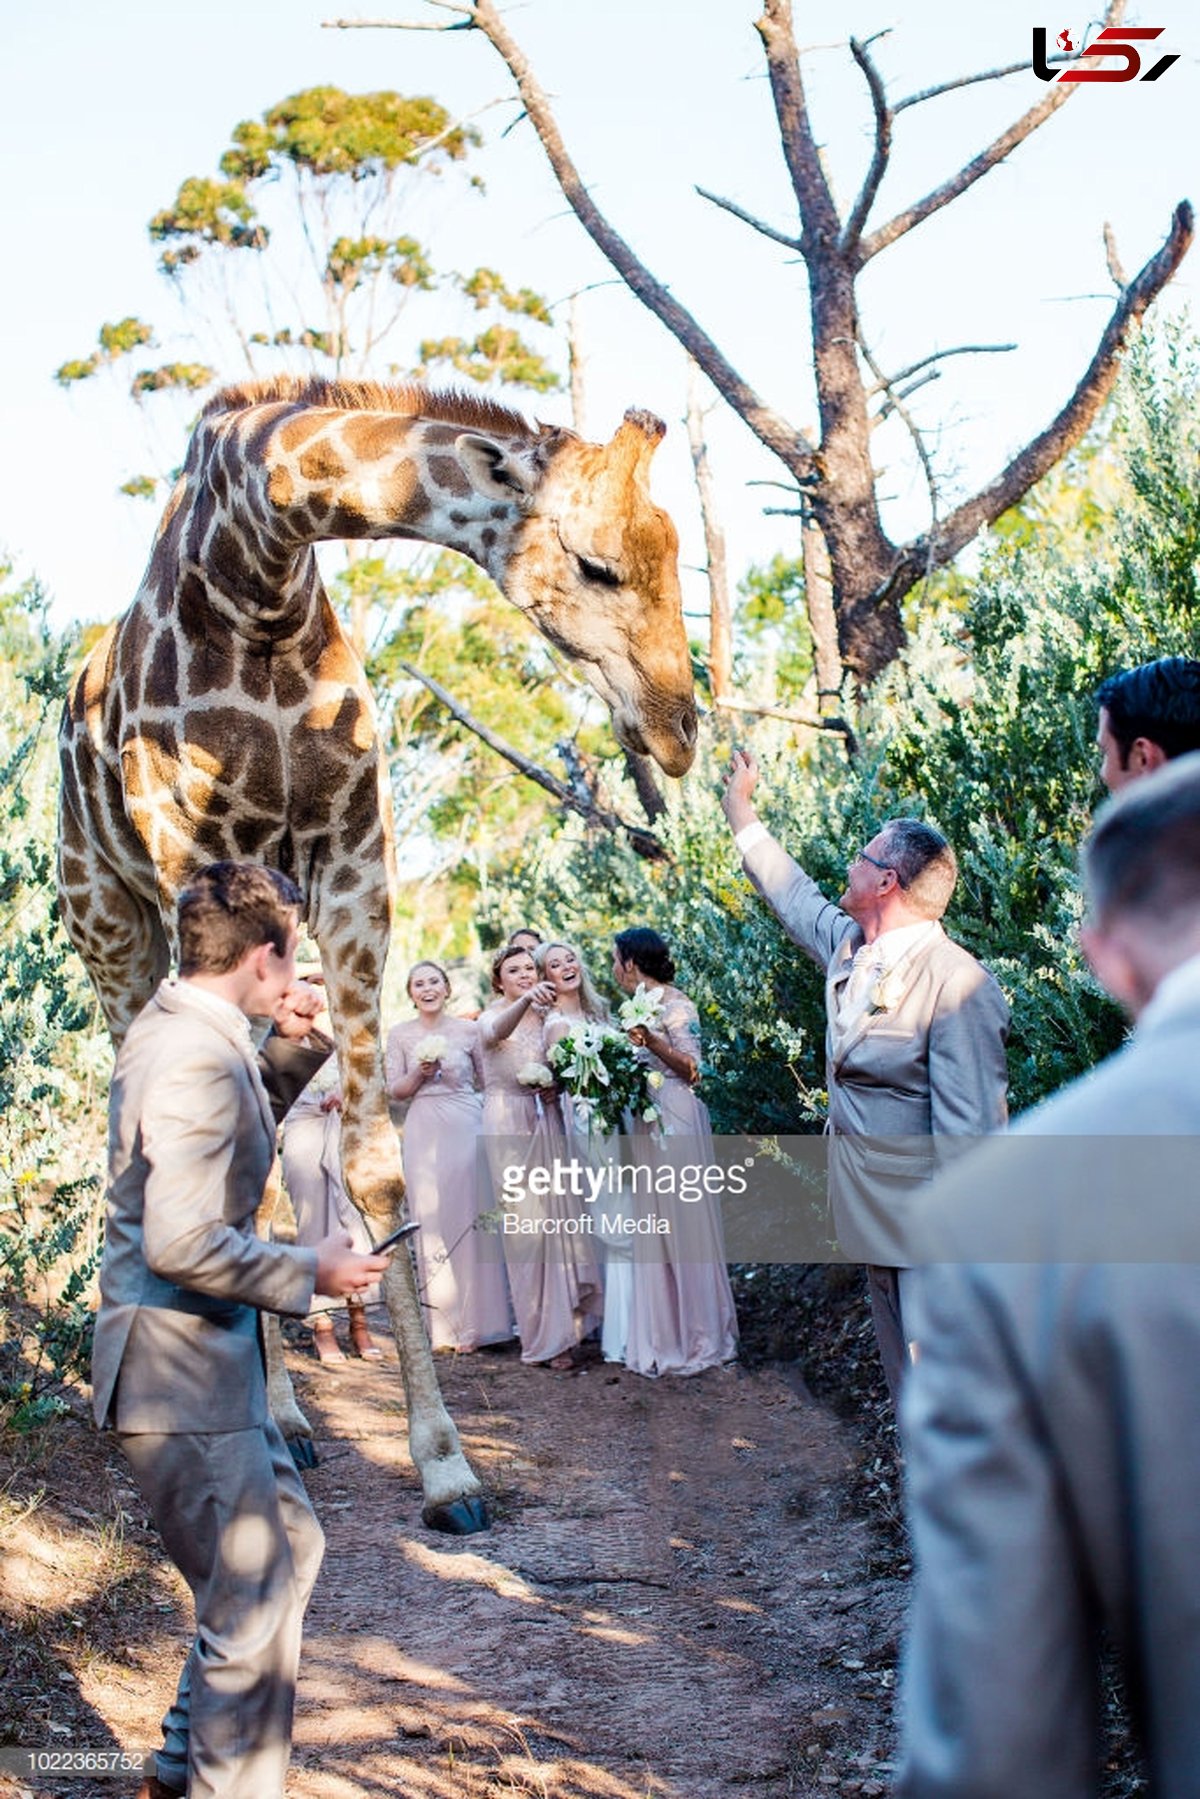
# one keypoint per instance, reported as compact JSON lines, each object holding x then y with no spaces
{"x":1143,"y":856}
{"x":926,"y":867}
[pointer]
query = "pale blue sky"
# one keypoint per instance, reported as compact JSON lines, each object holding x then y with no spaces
{"x":107,"y":109}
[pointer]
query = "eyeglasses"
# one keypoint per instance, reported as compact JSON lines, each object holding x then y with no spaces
{"x":888,"y":868}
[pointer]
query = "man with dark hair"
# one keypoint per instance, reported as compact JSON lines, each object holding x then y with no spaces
{"x":1052,"y":1422}
{"x":1148,"y":716}
{"x":916,"y":1027}
{"x":177,"y":1366}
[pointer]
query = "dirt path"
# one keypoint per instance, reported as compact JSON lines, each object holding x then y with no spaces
{"x":677,"y":1598}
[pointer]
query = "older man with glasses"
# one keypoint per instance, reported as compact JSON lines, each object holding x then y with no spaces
{"x":916,"y":1029}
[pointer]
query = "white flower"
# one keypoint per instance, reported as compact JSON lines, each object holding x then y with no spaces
{"x":650,"y":1114}
{"x":886,"y":993}
{"x":654,"y":1078}
{"x":431,"y":1049}
{"x":642,"y":1008}
{"x":535,"y":1074}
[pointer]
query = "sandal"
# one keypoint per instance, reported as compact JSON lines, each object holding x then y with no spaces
{"x":325,"y":1344}
{"x":361,"y":1343}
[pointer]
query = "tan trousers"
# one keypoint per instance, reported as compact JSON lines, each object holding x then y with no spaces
{"x":236,"y":1521}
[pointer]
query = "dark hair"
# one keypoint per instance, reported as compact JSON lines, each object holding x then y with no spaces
{"x":1158,"y":700}
{"x":648,"y":951}
{"x":925,"y":865}
{"x":505,"y":955}
{"x":425,"y":964}
{"x":231,"y":908}
{"x":1143,"y":856}
{"x":524,"y":930}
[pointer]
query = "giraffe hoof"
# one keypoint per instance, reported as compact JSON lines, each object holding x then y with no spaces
{"x":303,"y":1451}
{"x":461,"y":1518}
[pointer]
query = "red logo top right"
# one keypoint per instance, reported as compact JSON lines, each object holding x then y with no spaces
{"x":1116,"y":43}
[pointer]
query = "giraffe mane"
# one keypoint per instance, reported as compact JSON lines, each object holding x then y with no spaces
{"x":409,"y":398}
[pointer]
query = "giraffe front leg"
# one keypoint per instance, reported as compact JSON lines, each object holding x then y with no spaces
{"x":372,"y":1174}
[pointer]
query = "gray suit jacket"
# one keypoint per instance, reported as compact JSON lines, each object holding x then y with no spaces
{"x":1052,"y":1429}
{"x":191,"y":1141}
{"x":933,"y":1064}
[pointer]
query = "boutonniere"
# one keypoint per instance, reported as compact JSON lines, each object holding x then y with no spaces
{"x":885,"y":994}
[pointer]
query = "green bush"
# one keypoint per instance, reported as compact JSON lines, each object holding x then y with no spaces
{"x":49,"y":1237}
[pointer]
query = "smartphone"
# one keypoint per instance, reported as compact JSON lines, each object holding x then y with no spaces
{"x":406,"y":1230}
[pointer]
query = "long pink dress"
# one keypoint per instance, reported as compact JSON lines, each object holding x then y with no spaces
{"x":460,"y":1267}
{"x":681,"y":1315}
{"x":552,"y":1267}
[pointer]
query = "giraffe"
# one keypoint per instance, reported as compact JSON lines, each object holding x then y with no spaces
{"x":225,"y":715}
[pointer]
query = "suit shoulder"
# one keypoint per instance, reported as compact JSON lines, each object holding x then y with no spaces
{"x":962,"y":973}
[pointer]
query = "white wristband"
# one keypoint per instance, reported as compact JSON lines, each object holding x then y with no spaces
{"x":749,"y":835}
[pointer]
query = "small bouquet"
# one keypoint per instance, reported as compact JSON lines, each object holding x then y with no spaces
{"x":431,"y":1050}
{"x":535,"y":1074}
{"x":641,"y":1008}
{"x":600,"y":1070}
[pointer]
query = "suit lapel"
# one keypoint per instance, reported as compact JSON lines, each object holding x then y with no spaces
{"x":901,"y":979}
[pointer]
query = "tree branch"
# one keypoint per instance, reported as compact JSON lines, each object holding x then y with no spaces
{"x":895,"y":403}
{"x":1055,"y":96}
{"x":938,"y":356}
{"x":882,"y":151}
{"x":814,"y":199}
{"x":748,"y":218}
{"x":644,"y":842}
{"x":948,"y":87}
{"x":466,"y":23}
{"x":792,"y":717}
{"x":769,"y":426}
{"x":1066,"y":430}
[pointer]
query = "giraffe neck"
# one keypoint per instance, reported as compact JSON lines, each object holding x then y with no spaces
{"x":283,"y":479}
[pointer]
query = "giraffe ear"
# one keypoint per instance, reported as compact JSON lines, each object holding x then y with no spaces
{"x":493,"y":470}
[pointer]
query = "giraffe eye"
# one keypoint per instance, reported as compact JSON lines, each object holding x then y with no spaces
{"x":599,"y":572}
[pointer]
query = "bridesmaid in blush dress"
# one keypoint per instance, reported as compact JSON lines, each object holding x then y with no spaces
{"x":434,"y":1062}
{"x":577,"y":1002}
{"x":682,"y":1317}
{"x":551,"y":1265}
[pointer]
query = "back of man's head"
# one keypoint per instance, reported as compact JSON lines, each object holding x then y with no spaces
{"x":926,"y":866}
{"x":1159,"y":701}
{"x":231,"y":908}
{"x":1142,"y":861}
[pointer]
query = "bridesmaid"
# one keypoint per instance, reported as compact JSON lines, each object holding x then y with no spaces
{"x":576,"y":1002}
{"x":551,"y":1268}
{"x":682,"y":1317}
{"x":434,"y":1062}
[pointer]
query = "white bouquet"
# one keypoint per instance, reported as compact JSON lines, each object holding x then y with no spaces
{"x":599,"y":1068}
{"x":641,"y":1008}
{"x":535,"y":1074}
{"x":431,"y":1049}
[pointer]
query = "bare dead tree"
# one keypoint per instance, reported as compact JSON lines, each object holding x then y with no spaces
{"x":869,"y":574}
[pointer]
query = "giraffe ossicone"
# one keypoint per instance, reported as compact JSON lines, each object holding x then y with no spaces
{"x":224,"y":715}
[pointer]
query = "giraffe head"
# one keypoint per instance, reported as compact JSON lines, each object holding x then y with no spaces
{"x":567,"y":528}
{"x":593,"y":561}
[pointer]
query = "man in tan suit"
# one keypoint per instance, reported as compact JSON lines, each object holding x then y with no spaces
{"x":1052,"y":1422}
{"x":916,"y":1030}
{"x":177,"y":1366}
